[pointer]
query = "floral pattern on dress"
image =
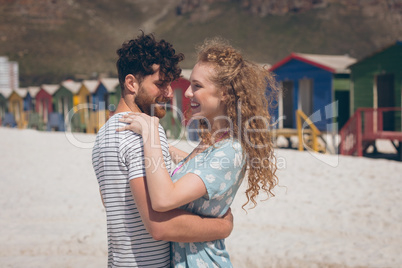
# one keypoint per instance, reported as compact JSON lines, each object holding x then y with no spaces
{"x":220,"y":168}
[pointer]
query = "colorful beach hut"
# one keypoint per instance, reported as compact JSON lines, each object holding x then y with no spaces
{"x":376,"y":102}
{"x":82,"y":102}
{"x":179,"y":87}
{"x":377,"y":83}
{"x":7,"y":118}
{"x":176,"y":114}
{"x":29,"y":99}
{"x":112,"y":86}
{"x":3,"y":106}
{"x":310,"y":82}
{"x":62,"y":103}
{"x":104,"y":100}
{"x":16,"y":106}
{"x":65,"y":95}
{"x":44,"y":102}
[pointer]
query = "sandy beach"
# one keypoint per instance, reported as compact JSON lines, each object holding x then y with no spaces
{"x":332,"y":211}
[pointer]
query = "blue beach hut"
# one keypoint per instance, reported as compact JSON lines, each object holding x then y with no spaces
{"x":29,"y":102}
{"x":310,"y":83}
{"x":104,"y":100}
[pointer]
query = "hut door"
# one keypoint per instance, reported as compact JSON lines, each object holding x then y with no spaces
{"x":17,"y":111}
{"x":286,"y":105}
{"x":45,"y":104}
{"x":385,"y":98}
{"x":63,"y":106}
{"x":40,"y":108}
{"x":305,"y":102}
{"x":2,"y":110}
{"x":87,"y":110}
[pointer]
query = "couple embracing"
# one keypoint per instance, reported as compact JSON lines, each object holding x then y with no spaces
{"x":160,"y":217}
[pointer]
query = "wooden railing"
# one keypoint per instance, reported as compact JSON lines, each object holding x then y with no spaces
{"x":315,"y":133}
{"x":366,"y":124}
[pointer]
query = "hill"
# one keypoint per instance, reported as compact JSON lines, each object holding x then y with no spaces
{"x":53,"y":40}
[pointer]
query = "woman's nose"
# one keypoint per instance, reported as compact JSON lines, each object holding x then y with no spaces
{"x":188,"y":93}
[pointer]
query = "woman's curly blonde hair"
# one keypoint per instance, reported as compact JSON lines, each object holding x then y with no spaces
{"x":250,"y":89}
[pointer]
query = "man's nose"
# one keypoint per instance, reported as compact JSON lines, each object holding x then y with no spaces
{"x":169,"y":92}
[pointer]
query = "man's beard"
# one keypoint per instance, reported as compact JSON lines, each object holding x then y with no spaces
{"x":148,"y":105}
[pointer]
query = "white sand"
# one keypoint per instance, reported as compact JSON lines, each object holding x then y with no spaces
{"x":344,"y":216}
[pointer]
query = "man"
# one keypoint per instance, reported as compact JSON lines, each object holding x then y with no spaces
{"x":135,"y":231}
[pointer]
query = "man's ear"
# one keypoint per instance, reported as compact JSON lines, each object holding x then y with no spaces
{"x":131,"y":84}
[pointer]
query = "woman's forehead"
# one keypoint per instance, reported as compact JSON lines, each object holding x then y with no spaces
{"x":202,"y":71}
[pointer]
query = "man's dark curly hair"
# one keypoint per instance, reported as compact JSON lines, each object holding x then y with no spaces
{"x":137,"y":56}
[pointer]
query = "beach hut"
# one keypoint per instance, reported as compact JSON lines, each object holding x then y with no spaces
{"x":112,"y":86}
{"x":7,"y":118}
{"x":104,"y":100}
{"x":72,"y":121}
{"x":30,"y":98}
{"x":16,"y":106}
{"x":63,"y":104}
{"x":82,"y":102}
{"x":3,"y":106}
{"x":44,"y":102}
{"x":377,"y":83}
{"x":179,"y":116}
{"x":179,"y":87}
{"x":30,"y":117}
{"x":178,"y":107}
{"x":309,"y":83}
{"x":376,"y":102}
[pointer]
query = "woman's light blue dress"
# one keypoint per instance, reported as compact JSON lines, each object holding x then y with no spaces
{"x":220,"y":168}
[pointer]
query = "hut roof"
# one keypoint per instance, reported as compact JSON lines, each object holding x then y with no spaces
{"x":91,"y":85}
{"x":6,"y":92}
{"x":71,"y":85}
{"x":185,"y":73}
{"x":22,"y":92}
{"x":331,"y":63}
{"x":110,"y":83}
{"x":51,"y":89}
{"x":33,"y":91}
{"x":397,"y":43}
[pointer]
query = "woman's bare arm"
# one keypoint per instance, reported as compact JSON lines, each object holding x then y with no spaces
{"x":177,"y":154}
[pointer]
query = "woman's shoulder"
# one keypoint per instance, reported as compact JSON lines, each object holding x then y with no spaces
{"x":226,"y":147}
{"x":230,"y":144}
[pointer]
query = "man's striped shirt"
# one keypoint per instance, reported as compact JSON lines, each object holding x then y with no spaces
{"x":118,"y":157}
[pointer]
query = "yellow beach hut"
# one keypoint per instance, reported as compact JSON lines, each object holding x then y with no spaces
{"x":82,"y":102}
{"x":16,"y":106}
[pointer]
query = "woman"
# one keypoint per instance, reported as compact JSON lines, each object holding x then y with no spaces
{"x":228,"y":93}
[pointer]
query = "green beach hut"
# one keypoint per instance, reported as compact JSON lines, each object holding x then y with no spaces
{"x":377,"y":83}
{"x":3,"y":106}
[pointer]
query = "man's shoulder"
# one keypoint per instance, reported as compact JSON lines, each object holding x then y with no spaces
{"x":108,"y":133}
